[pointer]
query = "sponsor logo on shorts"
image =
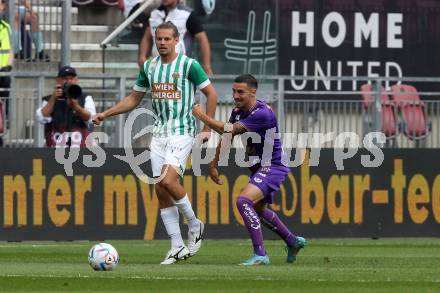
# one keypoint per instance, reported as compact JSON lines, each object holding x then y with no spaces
{"x":265,"y":169}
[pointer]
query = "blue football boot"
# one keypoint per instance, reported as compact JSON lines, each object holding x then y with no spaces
{"x":292,"y":251}
{"x":256,"y":260}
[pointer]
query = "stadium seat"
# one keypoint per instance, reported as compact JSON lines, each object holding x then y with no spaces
{"x":388,"y":117}
{"x":412,"y":110}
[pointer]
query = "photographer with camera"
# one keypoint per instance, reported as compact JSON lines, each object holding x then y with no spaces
{"x":66,"y":112}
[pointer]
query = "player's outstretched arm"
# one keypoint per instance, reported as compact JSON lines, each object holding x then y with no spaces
{"x":213,"y":165}
{"x":217,"y":126}
{"x":126,"y":104}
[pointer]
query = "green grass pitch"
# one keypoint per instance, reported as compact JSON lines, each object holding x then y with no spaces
{"x":349,"y":265}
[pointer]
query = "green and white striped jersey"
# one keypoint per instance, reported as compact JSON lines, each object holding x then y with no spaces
{"x":172,"y":87}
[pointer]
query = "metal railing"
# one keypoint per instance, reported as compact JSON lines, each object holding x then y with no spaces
{"x":412,"y":124}
{"x":87,"y":2}
{"x":26,"y":97}
{"x":41,"y":37}
{"x":126,"y":23}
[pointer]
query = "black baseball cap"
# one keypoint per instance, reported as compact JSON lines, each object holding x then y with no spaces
{"x":66,"y":71}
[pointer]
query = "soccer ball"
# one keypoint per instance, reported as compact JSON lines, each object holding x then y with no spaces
{"x":103,"y":257}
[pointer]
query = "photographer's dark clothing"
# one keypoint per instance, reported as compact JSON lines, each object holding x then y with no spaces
{"x":5,"y":85}
{"x":65,"y":127}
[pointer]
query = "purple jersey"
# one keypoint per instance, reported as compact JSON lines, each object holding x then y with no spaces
{"x":261,"y":119}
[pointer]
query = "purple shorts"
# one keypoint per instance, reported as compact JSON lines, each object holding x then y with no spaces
{"x":269,"y":180}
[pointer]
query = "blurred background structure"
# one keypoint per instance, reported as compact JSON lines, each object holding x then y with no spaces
{"x":325,"y":66}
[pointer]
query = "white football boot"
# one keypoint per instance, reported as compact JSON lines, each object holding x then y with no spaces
{"x":195,"y":239}
{"x":175,"y":254}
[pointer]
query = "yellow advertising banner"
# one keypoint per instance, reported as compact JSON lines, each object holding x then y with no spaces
{"x":38,"y":200}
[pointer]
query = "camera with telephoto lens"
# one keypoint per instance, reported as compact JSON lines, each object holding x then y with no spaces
{"x":72,"y":91}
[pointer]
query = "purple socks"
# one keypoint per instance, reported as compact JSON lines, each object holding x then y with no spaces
{"x":268,"y":218}
{"x":252,"y":222}
{"x":271,"y":220}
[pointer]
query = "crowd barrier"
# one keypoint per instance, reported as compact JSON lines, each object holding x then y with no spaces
{"x":407,"y":118}
{"x":42,"y":37}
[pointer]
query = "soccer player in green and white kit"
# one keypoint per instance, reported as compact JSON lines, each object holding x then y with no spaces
{"x":172,"y":79}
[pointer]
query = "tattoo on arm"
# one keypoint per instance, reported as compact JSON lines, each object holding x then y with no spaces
{"x":238,"y":128}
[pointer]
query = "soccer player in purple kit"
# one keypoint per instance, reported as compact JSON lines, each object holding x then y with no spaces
{"x":252,"y":115}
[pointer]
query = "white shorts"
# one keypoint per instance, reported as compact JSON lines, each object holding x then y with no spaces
{"x":173,"y":150}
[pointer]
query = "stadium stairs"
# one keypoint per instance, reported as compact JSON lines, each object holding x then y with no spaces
{"x":94,"y":24}
{"x":90,"y":26}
